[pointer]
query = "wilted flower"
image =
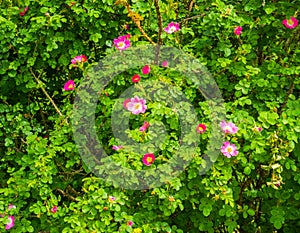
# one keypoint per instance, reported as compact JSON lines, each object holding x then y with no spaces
{"x":229,"y":149}
{"x":10,"y":223}
{"x":201,"y":128}
{"x":117,"y":147}
{"x":146,"y":69}
{"x":54,"y":209}
{"x":258,"y":129}
{"x":290,"y":23}
{"x":69,"y":86}
{"x":137,"y":105}
{"x":122,"y":42}
{"x":277,"y":184}
{"x":172,"y":27}
{"x":22,"y":13}
{"x":229,"y":127}
{"x":145,"y":126}
{"x":111,"y":199}
{"x":148,"y":159}
{"x":135,"y":78}
{"x":171,"y":199}
{"x":238,"y":30}
{"x":79,"y":59}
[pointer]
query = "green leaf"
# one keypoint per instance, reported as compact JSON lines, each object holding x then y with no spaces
{"x":251,"y":212}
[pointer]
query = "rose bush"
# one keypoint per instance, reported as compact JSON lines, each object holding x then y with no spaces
{"x":251,"y":48}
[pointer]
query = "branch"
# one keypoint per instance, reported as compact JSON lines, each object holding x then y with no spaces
{"x":137,"y":23}
{"x":193,"y":17}
{"x":159,"y":40}
{"x":290,"y":91}
{"x":191,"y":6}
{"x":66,"y":195}
{"x":45,"y":92}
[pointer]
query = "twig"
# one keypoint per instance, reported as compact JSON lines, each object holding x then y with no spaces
{"x":137,"y":23}
{"x":290,"y":91}
{"x":159,"y":40}
{"x":191,"y":6}
{"x":45,"y":92}
{"x":66,"y":194}
{"x":78,"y":172}
{"x":73,"y":190}
{"x":193,"y":17}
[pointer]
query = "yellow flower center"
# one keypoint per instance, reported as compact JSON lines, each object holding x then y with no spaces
{"x":200,"y":128}
{"x":172,"y":29}
{"x":121,"y":44}
{"x":70,"y":86}
{"x":229,"y":149}
{"x":149,"y":160}
{"x":290,"y":22}
{"x":227,"y":128}
{"x":137,"y":106}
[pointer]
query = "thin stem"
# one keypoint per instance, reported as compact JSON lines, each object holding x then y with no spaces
{"x":193,"y":17}
{"x":159,"y":40}
{"x":66,"y":195}
{"x":45,"y":92}
{"x":290,"y":91}
{"x":137,"y":23}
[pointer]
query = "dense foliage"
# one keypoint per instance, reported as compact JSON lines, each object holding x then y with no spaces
{"x":251,"y":52}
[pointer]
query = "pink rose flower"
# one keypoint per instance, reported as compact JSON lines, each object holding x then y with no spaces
{"x":69,"y":86}
{"x":146,"y":69}
{"x":129,"y":223}
{"x":172,"y":27}
{"x":122,"y":42}
{"x":135,"y":78}
{"x":79,"y":59}
{"x":10,"y":223}
{"x":148,"y":159}
{"x":125,"y":103}
{"x":54,"y":209}
{"x":137,"y":105}
{"x":290,"y":23}
{"x":165,"y":63}
{"x":229,"y":127}
{"x":229,"y":149}
{"x":11,"y":206}
{"x":238,"y":30}
{"x":117,"y":147}
{"x":201,"y":128}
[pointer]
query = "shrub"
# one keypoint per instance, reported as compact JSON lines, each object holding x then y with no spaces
{"x":249,"y":47}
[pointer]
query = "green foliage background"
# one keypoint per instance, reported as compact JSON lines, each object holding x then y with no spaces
{"x":257,"y":72}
